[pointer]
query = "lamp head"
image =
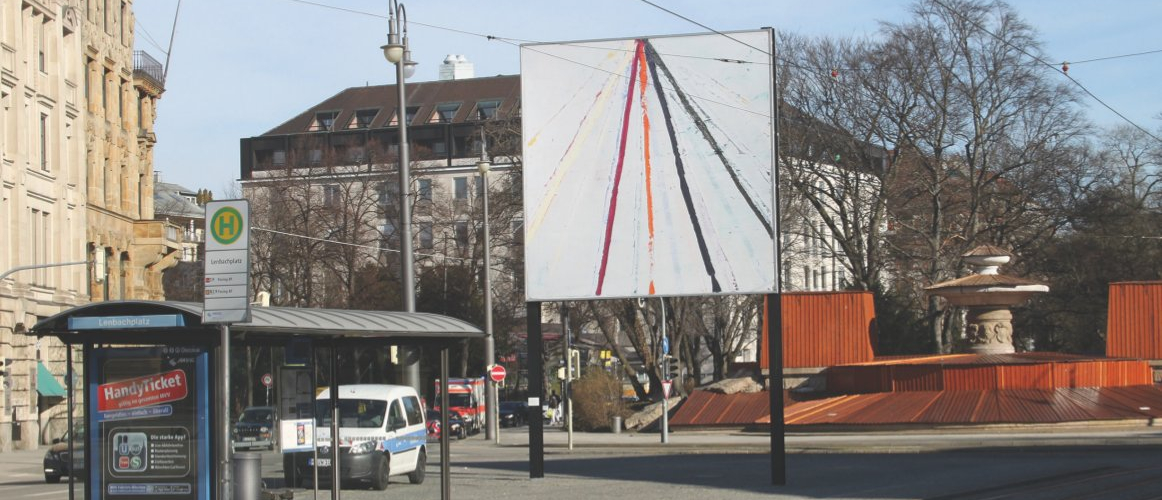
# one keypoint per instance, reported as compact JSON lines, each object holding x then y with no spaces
{"x":409,"y":66}
{"x":393,"y":52}
{"x":483,"y":166}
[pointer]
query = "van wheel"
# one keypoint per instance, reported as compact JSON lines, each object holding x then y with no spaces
{"x":382,"y":474}
{"x":417,"y":476}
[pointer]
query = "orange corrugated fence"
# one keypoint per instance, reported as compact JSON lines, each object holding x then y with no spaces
{"x":1134,"y":326}
{"x":825,"y":329}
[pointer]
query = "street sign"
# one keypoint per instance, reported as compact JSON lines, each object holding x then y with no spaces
{"x":666,"y":388}
{"x":227,"y":282}
{"x":267,"y":380}
{"x":665,"y":345}
{"x":497,"y":373}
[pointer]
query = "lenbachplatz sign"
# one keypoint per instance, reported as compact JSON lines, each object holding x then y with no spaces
{"x":227,"y":286}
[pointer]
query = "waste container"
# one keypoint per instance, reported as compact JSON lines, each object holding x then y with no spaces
{"x":616,"y":427}
{"x":247,"y":474}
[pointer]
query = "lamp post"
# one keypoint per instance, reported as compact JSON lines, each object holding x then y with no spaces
{"x":397,"y":52}
{"x":491,"y":408}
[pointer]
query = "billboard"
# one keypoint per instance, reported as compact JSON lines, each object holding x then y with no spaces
{"x":149,"y":408}
{"x":649,"y":166}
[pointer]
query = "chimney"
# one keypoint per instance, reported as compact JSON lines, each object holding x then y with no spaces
{"x":456,"y":67}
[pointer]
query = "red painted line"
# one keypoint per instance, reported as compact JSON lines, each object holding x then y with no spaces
{"x":617,"y":174}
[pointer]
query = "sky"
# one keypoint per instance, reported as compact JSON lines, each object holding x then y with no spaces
{"x":238,"y":68}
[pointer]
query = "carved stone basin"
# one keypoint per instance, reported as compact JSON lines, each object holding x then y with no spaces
{"x":988,"y":295}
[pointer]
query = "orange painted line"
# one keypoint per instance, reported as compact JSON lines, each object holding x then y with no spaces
{"x":643,"y":75}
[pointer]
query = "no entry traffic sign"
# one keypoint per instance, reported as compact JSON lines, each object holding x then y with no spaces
{"x":497,"y":373}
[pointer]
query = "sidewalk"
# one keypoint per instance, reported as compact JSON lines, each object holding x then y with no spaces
{"x":888,"y":441}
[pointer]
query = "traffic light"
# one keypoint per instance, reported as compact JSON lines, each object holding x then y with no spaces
{"x":574,"y":364}
{"x":671,"y":368}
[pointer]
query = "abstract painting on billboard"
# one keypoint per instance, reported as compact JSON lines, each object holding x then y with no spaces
{"x":648,"y":166}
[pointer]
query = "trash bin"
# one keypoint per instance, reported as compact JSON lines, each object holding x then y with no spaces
{"x":616,"y":427}
{"x":247,"y":475}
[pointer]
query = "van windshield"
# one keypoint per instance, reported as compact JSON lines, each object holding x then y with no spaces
{"x":459,"y":400}
{"x":362,"y":413}
{"x":257,"y":416}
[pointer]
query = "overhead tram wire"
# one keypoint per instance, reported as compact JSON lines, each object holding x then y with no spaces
{"x":517,"y":41}
{"x":366,"y":247}
{"x":1046,"y":63}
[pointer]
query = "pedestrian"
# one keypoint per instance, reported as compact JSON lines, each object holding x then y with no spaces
{"x":554,"y":409}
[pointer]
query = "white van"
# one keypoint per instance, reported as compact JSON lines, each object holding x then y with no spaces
{"x":382,"y":433}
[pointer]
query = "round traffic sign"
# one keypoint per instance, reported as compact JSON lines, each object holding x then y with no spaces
{"x":497,"y":373}
{"x":267,"y":380}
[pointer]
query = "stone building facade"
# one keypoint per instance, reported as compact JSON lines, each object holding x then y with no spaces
{"x":76,"y":119}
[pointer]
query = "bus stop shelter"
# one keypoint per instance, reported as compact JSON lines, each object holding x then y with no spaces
{"x":156,"y":380}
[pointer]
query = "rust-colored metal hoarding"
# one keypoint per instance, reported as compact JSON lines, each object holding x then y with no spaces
{"x":1134,"y":326}
{"x":825,"y":329}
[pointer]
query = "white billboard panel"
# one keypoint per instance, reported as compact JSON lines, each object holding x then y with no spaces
{"x":648,"y":166}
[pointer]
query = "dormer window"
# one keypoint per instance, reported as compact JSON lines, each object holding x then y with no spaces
{"x":444,"y":112}
{"x":486,"y":110}
{"x":411,"y":116}
{"x":363,"y":118}
{"x":324,"y":121}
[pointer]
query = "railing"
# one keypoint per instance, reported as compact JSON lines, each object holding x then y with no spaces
{"x":146,"y":66}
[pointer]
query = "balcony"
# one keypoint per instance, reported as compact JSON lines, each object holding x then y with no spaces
{"x":146,"y":68}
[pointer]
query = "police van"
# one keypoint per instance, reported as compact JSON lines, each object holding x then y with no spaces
{"x":382,"y":433}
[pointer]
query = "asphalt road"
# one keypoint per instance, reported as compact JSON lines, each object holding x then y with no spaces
{"x":1121,"y":464}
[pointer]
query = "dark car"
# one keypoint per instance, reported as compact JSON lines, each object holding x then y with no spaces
{"x":255,"y":428}
{"x":56,"y":459}
{"x":512,"y":413}
{"x":455,"y":422}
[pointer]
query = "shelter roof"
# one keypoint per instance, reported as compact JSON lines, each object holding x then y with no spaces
{"x":393,"y":326}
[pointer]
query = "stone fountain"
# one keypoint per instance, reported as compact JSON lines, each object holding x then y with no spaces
{"x":987,"y":297}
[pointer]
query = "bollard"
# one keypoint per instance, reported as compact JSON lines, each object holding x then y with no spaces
{"x":247,"y":476}
{"x":616,"y":425}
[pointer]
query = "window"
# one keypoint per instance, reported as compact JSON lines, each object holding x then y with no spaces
{"x":315,"y":157}
{"x":411,"y":116}
{"x":44,"y":142}
{"x":425,"y":190}
{"x":486,"y":110}
{"x":105,"y":92}
{"x":461,"y":188}
{"x":356,"y":154}
{"x":323,"y":121}
{"x":279,"y":158}
{"x":444,"y":112}
{"x":332,"y":196}
{"x":121,"y":100}
{"x":440,"y":147}
{"x":41,"y":41}
{"x":480,"y":186}
{"x":518,"y":230}
{"x":388,"y":194}
{"x":462,"y":234}
{"x":426,"y":241}
{"x":363,"y":118}
{"x":415,"y":413}
{"x":806,"y":278}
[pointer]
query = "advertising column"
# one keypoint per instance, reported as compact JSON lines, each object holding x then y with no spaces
{"x":151,"y":411}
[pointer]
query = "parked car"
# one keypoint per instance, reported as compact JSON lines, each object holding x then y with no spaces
{"x":455,"y":422}
{"x":56,"y":459}
{"x":513,"y":413}
{"x":382,"y":433}
{"x":255,"y":429}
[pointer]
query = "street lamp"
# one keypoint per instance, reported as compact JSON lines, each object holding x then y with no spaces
{"x":397,"y":52}
{"x":491,"y":409}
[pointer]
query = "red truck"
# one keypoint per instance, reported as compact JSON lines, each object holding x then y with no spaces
{"x":466,"y":397}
